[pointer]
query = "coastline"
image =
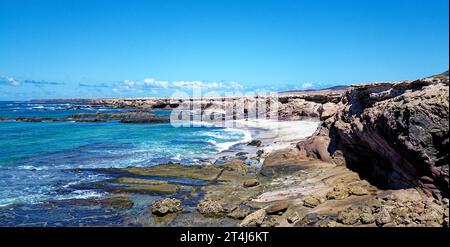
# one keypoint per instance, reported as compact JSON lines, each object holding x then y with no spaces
{"x":319,"y":174}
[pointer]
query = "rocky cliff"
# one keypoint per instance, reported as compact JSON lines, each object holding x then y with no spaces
{"x":395,"y":135}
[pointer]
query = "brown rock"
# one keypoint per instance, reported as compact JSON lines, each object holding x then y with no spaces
{"x":254,"y":219}
{"x":311,"y":202}
{"x":374,"y":202}
{"x":269,"y":221}
{"x":239,"y":213}
{"x":383,"y":217}
{"x":328,"y":110}
{"x":238,"y":166}
{"x":348,"y":217}
{"x":283,"y":162}
{"x":396,"y":134}
{"x":166,"y":206}
{"x":358,"y":191}
{"x":367,"y":218}
{"x":251,"y":183}
{"x":116,"y":202}
{"x":333,"y":223}
{"x":256,"y":143}
{"x":277,"y":208}
{"x":339,"y":192}
{"x":210,"y":208}
{"x":292,"y":217}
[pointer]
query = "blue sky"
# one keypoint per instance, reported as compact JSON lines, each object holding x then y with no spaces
{"x":94,"y":48}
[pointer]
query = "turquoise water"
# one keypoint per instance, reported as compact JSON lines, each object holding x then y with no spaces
{"x":37,"y":159}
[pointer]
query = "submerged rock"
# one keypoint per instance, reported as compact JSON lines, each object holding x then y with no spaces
{"x":164,"y":188}
{"x":127,"y":180}
{"x":166,"y":206}
{"x":118,"y":202}
{"x":207,"y":173}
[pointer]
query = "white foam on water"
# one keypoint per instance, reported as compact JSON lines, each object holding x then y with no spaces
{"x":245,"y":136}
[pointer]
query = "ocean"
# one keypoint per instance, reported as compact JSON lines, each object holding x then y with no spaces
{"x":38,"y":159}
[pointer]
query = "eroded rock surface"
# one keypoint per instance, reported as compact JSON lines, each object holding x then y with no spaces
{"x":393,"y":134}
{"x":166,"y":206}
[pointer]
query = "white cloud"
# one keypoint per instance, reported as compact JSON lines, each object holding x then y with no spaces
{"x":9,"y":80}
{"x":152,"y":85}
{"x":151,"y":82}
{"x":307,"y":85}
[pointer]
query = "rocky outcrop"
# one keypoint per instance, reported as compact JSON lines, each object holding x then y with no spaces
{"x":394,"y":212}
{"x":251,"y":183}
{"x":254,"y":219}
{"x":123,"y":117}
{"x":282,"y":162}
{"x":298,"y":109}
{"x":288,"y":105}
{"x":166,"y":206}
{"x":393,"y":134}
{"x":136,"y":116}
{"x":210,"y":208}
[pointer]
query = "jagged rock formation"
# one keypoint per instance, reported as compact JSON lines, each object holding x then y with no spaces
{"x":393,"y":134}
{"x":286,"y":106}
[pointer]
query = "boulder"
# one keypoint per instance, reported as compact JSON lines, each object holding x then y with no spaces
{"x":251,"y":183}
{"x":292,"y":217}
{"x":254,"y":219}
{"x":277,"y":208}
{"x":166,"y":206}
{"x":256,"y":143}
{"x":358,"y":191}
{"x":383,"y":217}
{"x":339,"y":192}
{"x":312,"y":201}
{"x":367,"y":218}
{"x":348,"y":217}
{"x":238,"y":166}
{"x":210,"y":208}
{"x":239,"y":213}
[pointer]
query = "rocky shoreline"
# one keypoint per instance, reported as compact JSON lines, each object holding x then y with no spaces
{"x":379,"y":158}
